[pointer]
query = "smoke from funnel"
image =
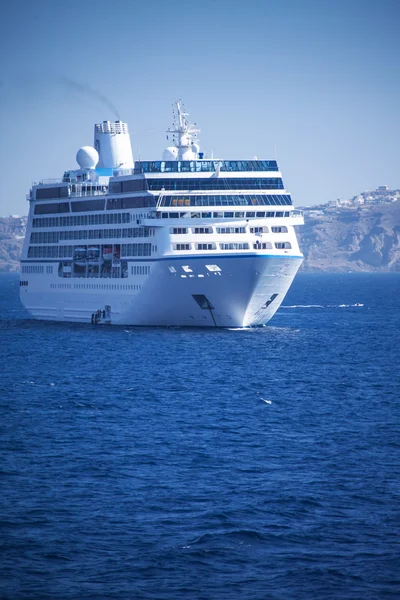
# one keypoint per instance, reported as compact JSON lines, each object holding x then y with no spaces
{"x":86,"y":90}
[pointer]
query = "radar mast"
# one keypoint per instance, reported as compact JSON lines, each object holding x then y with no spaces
{"x":184,"y":134}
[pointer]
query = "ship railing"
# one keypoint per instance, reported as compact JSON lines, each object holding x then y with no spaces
{"x":123,"y":172}
{"x":111,"y":127}
{"x":43,"y":181}
{"x":160,"y":198}
{"x":80,"y":193}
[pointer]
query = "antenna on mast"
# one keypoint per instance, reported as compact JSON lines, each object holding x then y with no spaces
{"x":184,"y":135}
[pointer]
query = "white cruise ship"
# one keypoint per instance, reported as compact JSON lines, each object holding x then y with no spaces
{"x":183,"y":241}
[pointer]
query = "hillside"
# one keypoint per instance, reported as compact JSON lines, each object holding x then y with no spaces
{"x":363,"y":238}
{"x":12,"y":233}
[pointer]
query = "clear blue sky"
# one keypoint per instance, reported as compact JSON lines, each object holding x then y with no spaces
{"x":314,"y":83}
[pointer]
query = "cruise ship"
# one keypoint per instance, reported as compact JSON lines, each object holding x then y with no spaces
{"x":188,"y":240}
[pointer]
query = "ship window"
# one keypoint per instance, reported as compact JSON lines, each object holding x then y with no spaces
{"x":182,"y":246}
{"x":281,"y":229}
{"x":281,"y":245}
{"x":43,"y":209}
{"x":218,"y":183}
{"x":115,"y":187}
{"x":46,"y":222}
{"x":44,"y":193}
{"x":203,"y":230}
{"x":227,"y":200}
{"x":87,"y":205}
{"x":205,"y":166}
{"x":133,"y":185}
{"x":44,"y":237}
{"x":205,"y":246}
{"x":43,"y":252}
{"x":114,"y":203}
{"x":136,"y":249}
{"x":262,"y":245}
{"x":259,"y":229}
{"x":178,"y":230}
{"x":138,"y":202}
{"x":231,"y":230}
{"x":235,"y":246}
{"x":133,"y":232}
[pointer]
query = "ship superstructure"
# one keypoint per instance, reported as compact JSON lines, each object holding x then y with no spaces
{"x":185,"y":241}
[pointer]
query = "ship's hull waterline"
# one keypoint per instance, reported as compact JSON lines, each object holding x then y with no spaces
{"x":246,"y":291}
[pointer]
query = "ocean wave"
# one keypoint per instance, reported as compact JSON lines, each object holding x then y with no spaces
{"x":356,"y":305}
{"x":238,"y":535}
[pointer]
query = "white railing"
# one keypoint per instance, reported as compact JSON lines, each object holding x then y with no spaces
{"x":111,"y":127}
{"x":160,"y":198}
{"x":123,"y":172}
{"x":44,"y":181}
{"x":82,"y":193}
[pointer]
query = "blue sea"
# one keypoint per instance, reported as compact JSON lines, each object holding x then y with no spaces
{"x":205,"y":464}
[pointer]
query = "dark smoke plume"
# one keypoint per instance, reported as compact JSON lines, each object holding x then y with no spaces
{"x":86,"y":90}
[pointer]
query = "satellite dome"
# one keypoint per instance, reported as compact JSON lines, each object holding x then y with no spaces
{"x":188,"y":154}
{"x":170,"y":153}
{"x":87,"y":157}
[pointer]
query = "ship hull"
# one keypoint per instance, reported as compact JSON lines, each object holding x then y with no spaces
{"x":204,"y":291}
